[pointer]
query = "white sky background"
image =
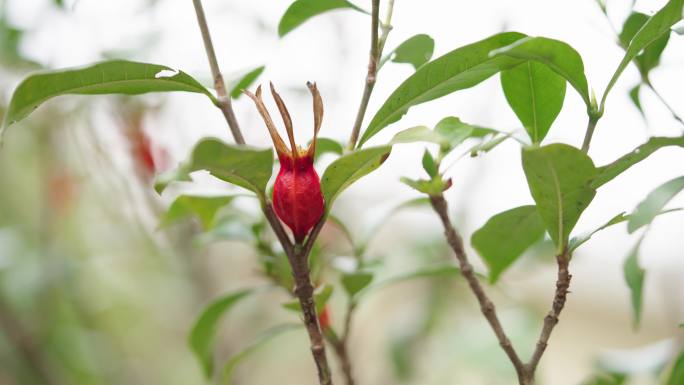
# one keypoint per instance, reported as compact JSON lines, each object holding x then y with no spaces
{"x":333,"y":50}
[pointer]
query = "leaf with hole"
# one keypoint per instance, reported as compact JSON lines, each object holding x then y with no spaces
{"x":243,"y":166}
{"x":657,"y":25}
{"x":416,"y":50}
{"x":506,"y":236}
{"x":110,"y":77}
{"x":203,"y":331}
{"x":233,"y":362}
{"x":559,"y":177}
{"x":349,"y":168}
{"x":536,"y":95}
{"x":302,"y":10}
{"x":654,"y":203}
{"x":558,"y":56}
{"x":459,"y":69}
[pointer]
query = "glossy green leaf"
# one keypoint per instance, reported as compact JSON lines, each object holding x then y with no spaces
{"x":204,"y":329}
{"x":328,"y":146}
{"x":233,"y":362}
{"x":536,"y":95}
{"x":506,"y":236}
{"x":650,"y":56}
{"x":634,"y":276}
{"x":321,"y":297}
{"x":204,"y":208}
{"x":676,"y":375}
{"x":559,"y":178}
{"x":243,"y":166}
{"x":654,"y":203}
{"x":416,"y":50}
{"x":349,"y":168}
{"x":605,"y":174}
{"x":245,"y":81}
{"x":459,"y":69}
{"x":355,"y":282}
{"x":110,"y":77}
{"x":434,"y":186}
{"x":657,"y":25}
{"x":303,"y":10}
{"x":429,"y":164}
{"x":556,"y":55}
{"x":578,"y":241}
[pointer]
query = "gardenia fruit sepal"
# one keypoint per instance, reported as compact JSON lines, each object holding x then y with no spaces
{"x":297,"y":197}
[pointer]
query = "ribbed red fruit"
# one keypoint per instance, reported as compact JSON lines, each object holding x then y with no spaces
{"x":297,"y":197}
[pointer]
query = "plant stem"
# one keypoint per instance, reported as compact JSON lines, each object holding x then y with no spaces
{"x":551,"y":319}
{"x":662,"y":100}
{"x":298,"y":255}
{"x":589,"y":133}
{"x":223,"y":100}
{"x":439,"y":204}
{"x":377,"y":46}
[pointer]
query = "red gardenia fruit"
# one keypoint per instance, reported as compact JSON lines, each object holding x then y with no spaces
{"x":297,"y":197}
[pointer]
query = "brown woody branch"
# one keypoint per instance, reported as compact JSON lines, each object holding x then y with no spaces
{"x":223,"y":100}
{"x":525,"y":371}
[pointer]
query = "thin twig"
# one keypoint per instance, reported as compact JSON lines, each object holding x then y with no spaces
{"x":223,"y":100}
{"x":551,"y":319}
{"x":439,"y":204}
{"x":662,"y":100}
{"x":377,"y":46}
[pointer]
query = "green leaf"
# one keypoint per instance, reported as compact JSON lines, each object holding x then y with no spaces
{"x":438,"y":271}
{"x":657,"y":25}
{"x":434,"y":186}
{"x":204,"y":329}
{"x":650,"y":56}
{"x":654,"y":203}
{"x":536,"y":95}
{"x":268,"y":335}
{"x":605,"y":174}
{"x":634,"y":276}
{"x":355,"y":282}
{"x":505,"y":236}
{"x":321,"y":297}
{"x":245,"y":81}
{"x":302,"y":10}
{"x":448,"y":133}
{"x":578,"y":241}
{"x":459,"y":69}
{"x":416,"y":50}
{"x":676,"y":376}
{"x":556,"y":55}
{"x":110,"y":77}
{"x":328,"y":146}
{"x":429,"y":164}
{"x":178,"y":174}
{"x":349,"y":168}
{"x":243,"y":166}
{"x":202,"y":207}
{"x":634,"y":97}
{"x":559,"y":178}
{"x":488,"y":145}
{"x":607,"y":379}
